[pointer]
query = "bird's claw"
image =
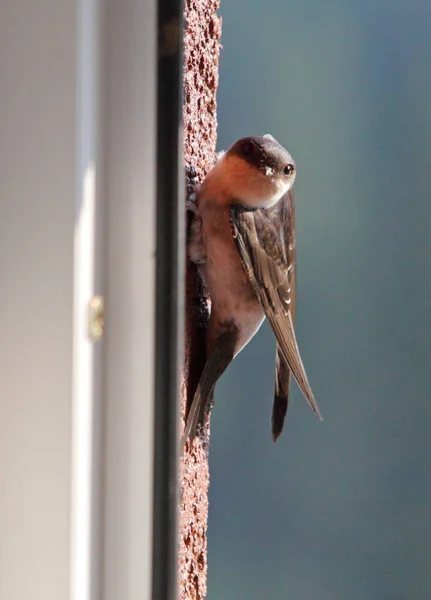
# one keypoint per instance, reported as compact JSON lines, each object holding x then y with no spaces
{"x":191,"y":185}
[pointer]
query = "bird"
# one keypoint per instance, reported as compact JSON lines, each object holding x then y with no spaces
{"x":242,"y":240}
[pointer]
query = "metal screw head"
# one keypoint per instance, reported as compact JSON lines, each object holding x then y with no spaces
{"x":96,"y":318}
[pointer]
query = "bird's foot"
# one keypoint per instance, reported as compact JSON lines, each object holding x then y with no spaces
{"x":191,"y":186}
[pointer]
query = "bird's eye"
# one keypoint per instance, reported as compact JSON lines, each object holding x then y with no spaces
{"x":288,"y":169}
{"x":247,"y":148}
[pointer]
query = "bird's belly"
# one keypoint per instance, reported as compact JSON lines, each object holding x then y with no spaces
{"x":232,"y":296}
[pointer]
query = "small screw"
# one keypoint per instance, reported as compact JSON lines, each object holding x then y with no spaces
{"x":96,"y":318}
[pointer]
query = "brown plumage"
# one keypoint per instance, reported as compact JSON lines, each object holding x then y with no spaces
{"x":243,"y":240}
{"x":266,"y":243}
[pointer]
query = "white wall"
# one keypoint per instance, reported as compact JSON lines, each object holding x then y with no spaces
{"x":37,"y":211}
{"x":77,"y":210}
{"x":130,"y":177}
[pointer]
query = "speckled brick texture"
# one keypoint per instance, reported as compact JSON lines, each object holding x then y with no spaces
{"x":201,"y":56}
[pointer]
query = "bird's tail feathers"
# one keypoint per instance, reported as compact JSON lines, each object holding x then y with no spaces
{"x":216,"y":364}
{"x":281,"y":395}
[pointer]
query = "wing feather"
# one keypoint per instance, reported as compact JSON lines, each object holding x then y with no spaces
{"x":266,"y":243}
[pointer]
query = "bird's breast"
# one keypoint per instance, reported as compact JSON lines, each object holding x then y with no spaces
{"x":232,"y":296}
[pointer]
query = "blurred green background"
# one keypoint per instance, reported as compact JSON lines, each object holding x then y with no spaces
{"x":339,"y":510}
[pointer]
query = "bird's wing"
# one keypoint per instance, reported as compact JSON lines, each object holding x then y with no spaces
{"x":266,"y":243}
{"x":281,"y":394}
{"x":216,"y":364}
{"x":282,"y":371}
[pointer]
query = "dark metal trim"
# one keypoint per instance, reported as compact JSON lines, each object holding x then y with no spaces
{"x":170,"y":250}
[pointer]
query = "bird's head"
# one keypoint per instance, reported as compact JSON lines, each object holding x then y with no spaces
{"x":255,"y":172}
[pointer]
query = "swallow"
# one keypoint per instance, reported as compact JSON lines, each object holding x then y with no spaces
{"x":242,"y":238}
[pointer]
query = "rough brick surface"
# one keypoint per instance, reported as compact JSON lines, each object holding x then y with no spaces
{"x":201,"y":55}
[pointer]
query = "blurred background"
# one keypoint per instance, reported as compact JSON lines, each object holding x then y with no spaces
{"x":339,"y":510}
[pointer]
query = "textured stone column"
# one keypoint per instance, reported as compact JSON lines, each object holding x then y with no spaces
{"x":201,"y":55}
